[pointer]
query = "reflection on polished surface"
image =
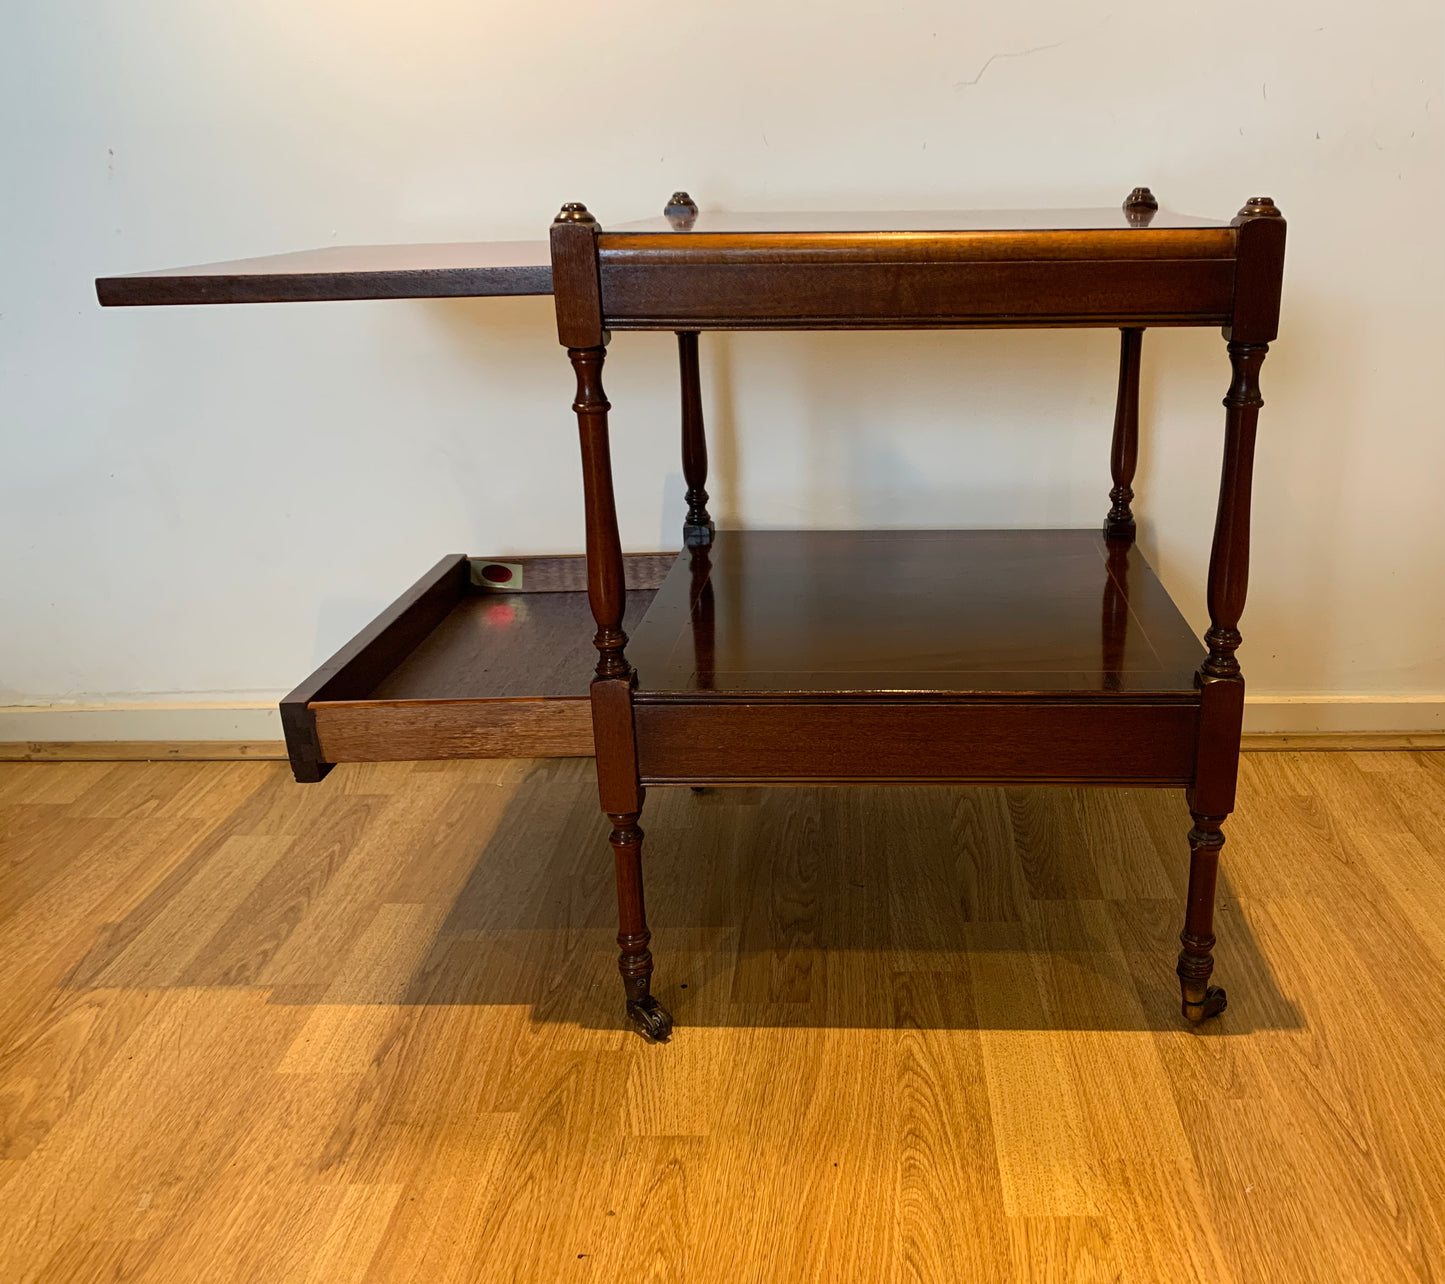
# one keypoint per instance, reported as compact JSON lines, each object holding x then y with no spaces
{"x":998,"y":612}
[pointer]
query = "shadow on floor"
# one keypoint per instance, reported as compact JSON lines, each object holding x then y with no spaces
{"x":849,"y":907}
{"x":887,"y":907}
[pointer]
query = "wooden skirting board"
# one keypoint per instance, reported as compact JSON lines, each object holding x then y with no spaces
{"x":259,"y":750}
{"x":141,"y":750}
{"x":1341,"y":741}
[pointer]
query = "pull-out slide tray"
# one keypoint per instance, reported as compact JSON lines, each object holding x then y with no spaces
{"x":473,"y":270}
{"x":480,"y":658}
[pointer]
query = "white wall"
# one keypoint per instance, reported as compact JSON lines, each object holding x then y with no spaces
{"x":200,"y":503}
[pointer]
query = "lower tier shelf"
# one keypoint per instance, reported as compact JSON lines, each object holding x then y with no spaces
{"x":787,"y":655}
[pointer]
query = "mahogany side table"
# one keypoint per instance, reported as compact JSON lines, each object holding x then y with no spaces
{"x":808,"y":657}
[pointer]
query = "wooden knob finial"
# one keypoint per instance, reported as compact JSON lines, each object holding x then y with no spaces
{"x":681,"y":210}
{"x":573,"y":212}
{"x":1140,"y":206}
{"x":1260,"y":207}
{"x":1141,"y":198}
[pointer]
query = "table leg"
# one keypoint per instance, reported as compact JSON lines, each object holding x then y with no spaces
{"x":697,"y":526}
{"x":1196,"y":958}
{"x":1124,"y":454}
{"x":649,"y":1017}
{"x":1221,"y":709}
{"x":611,"y":693}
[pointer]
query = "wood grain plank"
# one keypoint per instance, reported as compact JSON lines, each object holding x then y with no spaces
{"x":347,"y":904}
{"x":353,"y":1236}
{"x":137,"y":1151}
{"x":949,"y":1191}
{"x":1046,"y":1161}
{"x":45,"y":942}
{"x":1071,"y":1250}
{"x":996,"y":1068}
{"x":58,"y":1055}
{"x":161,"y":951}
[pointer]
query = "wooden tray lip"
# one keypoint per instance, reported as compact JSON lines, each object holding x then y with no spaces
{"x":931,"y":222}
{"x":393,"y":702}
{"x":620,"y":251}
{"x":441,"y":586}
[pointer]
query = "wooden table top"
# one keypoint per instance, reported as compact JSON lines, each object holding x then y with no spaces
{"x":488,"y":268}
{"x":467,"y":269}
{"x":1006,"y":612}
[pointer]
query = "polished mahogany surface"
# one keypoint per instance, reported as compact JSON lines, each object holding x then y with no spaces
{"x":345,"y":272}
{"x":505,"y":646}
{"x":1083,"y":220}
{"x":901,"y":270}
{"x":1048,"y":612}
{"x":483,"y":268}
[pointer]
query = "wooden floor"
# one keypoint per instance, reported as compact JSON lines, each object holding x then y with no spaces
{"x":369,"y":1030}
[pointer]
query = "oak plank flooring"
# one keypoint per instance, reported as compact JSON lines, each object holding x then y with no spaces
{"x":367,"y":1031}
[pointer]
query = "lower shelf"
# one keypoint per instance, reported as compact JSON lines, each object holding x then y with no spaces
{"x":787,"y":656}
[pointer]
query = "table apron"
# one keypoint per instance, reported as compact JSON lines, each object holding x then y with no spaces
{"x":1105,"y":741}
{"x":867,"y":295}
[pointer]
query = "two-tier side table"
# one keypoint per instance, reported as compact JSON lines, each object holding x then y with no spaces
{"x":816,"y":657}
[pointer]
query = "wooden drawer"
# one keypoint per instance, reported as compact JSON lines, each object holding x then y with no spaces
{"x":480,"y":658}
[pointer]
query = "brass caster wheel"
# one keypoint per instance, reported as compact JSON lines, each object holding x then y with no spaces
{"x":650,"y":1019}
{"x":1214,"y":1003}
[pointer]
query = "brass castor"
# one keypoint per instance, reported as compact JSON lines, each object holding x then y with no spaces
{"x":650,"y":1019}
{"x":1213,"y":1004}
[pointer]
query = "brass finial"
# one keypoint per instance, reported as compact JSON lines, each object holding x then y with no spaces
{"x":1140,"y":206}
{"x":1260,"y":207}
{"x":1141,"y":198}
{"x":681,"y":210}
{"x":573,"y":212}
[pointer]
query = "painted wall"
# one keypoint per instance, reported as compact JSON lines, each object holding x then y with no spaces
{"x":199,"y":504}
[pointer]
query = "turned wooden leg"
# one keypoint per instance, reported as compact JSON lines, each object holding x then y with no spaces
{"x":697,"y":526}
{"x":1196,"y":959}
{"x":1124,"y":454}
{"x":1221,"y":685}
{"x":649,"y":1017}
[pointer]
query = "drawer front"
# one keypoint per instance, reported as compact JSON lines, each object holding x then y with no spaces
{"x":1098,"y":742}
{"x":401,"y":731}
